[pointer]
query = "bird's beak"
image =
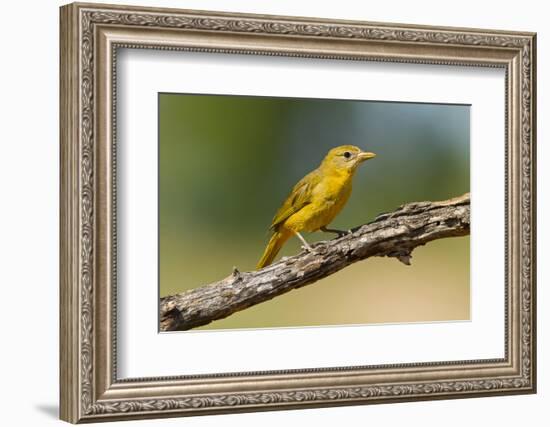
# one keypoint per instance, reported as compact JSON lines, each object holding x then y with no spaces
{"x":365,"y":156}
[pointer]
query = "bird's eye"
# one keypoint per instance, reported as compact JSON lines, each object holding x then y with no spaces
{"x":347,"y":154}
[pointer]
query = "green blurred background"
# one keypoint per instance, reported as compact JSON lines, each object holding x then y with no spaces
{"x":226,"y":163}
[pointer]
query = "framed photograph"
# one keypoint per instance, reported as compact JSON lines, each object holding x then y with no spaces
{"x":266,"y":212}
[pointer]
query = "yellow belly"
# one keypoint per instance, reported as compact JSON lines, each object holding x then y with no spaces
{"x":327,"y":202}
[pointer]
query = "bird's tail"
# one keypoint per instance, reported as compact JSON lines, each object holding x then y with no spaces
{"x":273,"y":247}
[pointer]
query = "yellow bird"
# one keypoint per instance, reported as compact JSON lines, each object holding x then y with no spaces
{"x":315,"y":200}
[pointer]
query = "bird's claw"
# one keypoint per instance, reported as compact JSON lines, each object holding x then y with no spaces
{"x":339,"y":233}
{"x":342,"y":233}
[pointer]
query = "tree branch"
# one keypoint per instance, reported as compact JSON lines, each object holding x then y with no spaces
{"x":393,"y":234}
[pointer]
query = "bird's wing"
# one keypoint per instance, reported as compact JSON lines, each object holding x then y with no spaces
{"x":297,"y":199}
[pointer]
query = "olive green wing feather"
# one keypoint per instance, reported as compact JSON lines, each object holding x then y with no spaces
{"x":299,"y":197}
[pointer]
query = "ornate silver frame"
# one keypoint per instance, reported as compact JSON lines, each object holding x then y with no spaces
{"x":90,"y":36}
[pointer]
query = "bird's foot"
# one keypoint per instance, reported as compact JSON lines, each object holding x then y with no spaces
{"x":340,"y":233}
{"x":307,"y":247}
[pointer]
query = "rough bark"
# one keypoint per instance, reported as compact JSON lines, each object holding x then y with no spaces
{"x":393,"y":234}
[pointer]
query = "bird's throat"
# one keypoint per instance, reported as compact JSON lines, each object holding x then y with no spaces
{"x":340,"y":173}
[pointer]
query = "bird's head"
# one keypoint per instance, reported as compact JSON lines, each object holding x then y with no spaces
{"x":345,"y":158}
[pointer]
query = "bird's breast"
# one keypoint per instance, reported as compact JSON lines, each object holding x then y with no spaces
{"x":327,"y":199}
{"x":333,"y":189}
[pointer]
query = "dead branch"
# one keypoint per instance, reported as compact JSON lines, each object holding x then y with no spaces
{"x":393,"y":234}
